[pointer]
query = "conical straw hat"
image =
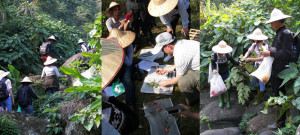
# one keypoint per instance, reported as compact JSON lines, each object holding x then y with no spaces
{"x":125,"y":38}
{"x":26,"y":79}
{"x":112,"y":60}
{"x":80,"y":41}
{"x":222,"y":47}
{"x":257,"y":35}
{"x":49,"y":61}
{"x":3,"y":74}
{"x":158,"y":8}
{"x":276,"y":15}
{"x":108,"y":12}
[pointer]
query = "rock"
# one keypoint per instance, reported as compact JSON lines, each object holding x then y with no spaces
{"x":265,"y":131}
{"x":225,"y":131}
{"x":294,"y":112}
{"x":216,"y":114}
{"x":217,"y":125}
{"x":262,"y":120}
{"x":75,"y":57}
{"x":255,"y":108}
{"x":205,"y":98}
{"x":28,"y":125}
{"x":72,"y":129}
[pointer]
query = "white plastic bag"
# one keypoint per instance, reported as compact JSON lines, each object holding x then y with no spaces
{"x":217,"y":85}
{"x":263,"y":72}
{"x":210,"y":72}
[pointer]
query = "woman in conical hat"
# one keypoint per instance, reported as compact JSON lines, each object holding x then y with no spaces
{"x":7,"y":101}
{"x":51,"y":73}
{"x":258,"y":45}
{"x":221,"y":56}
{"x":125,"y":38}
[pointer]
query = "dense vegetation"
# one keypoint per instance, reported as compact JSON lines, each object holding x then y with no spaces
{"x":232,"y":24}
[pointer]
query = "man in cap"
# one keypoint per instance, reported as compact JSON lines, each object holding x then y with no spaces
{"x":116,"y":19}
{"x":84,"y":46}
{"x":281,"y":49}
{"x":187,"y":65}
{"x":51,"y":41}
{"x":9,"y":101}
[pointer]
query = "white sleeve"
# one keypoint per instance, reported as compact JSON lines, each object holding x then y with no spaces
{"x":165,"y":19}
{"x":183,"y":14}
{"x":43,"y":73}
{"x":56,"y":72}
{"x":8,"y":84}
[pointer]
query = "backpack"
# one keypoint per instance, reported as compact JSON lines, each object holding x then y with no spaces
{"x":45,"y":48}
{"x":295,"y":47}
{"x":23,"y":96}
{"x":3,"y":90}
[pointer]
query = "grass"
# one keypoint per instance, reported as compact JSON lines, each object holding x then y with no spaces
{"x":187,"y":126}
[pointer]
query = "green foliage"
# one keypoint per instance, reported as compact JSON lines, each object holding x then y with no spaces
{"x":206,"y":120}
{"x":232,"y":24}
{"x":239,"y":78}
{"x":22,"y":34}
{"x":8,"y":127}
{"x":245,"y":119}
{"x":54,"y":117}
{"x":90,"y":116}
{"x":290,"y":128}
{"x":282,"y":100}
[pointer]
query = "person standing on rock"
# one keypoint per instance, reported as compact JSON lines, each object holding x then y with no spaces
{"x":7,"y":98}
{"x":24,"y":96}
{"x":186,"y":58}
{"x":51,"y":73}
{"x":219,"y":62}
{"x":258,"y":45}
{"x":48,"y":47}
{"x":281,"y":49}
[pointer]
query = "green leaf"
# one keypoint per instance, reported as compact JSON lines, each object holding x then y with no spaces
{"x":239,"y":39}
{"x":287,"y":74}
{"x":297,"y":103}
{"x":98,"y":121}
{"x":204,"y":62}
{"x":88,"y":124}
{"x":71,"y":71}
{"x":96,"y":104}
{"x":297,"y":85}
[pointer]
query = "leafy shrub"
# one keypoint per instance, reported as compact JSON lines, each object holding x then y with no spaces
{"x":8,"y":127}
{"x":245,"y":119}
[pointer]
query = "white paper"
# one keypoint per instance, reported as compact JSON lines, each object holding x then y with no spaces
{"x":146,"y":65}
{"x":150,"y":54}
{"x":154,"y":77}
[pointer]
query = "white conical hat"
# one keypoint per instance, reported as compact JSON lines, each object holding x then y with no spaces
{"x":277,"y":15}
{"x":50,"y":60}
{"x":80,"y":41}
{"x":3,"y":74}
{"x":158,"y":8}
{"x":222,"y":47}
{"x":51,"y":37}
{"x":26,"y":79}
{"x":257,"y":35}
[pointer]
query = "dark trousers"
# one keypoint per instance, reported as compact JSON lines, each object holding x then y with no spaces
{"x":174,"y":21}
{"x":277,"y":67}
{"x":126,"y":77}
{"x":140,"y":19}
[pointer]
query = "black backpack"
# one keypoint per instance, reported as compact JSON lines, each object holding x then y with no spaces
{"x":3,"y":90}
{"x":295,"y":47}
{"x":23,"y":96}
{"x":45,"y":48}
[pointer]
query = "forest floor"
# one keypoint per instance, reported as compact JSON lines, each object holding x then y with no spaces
{"x":186,"y":125}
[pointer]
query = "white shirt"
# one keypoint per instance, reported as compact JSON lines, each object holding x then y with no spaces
{"x":84,"y":47}
{"x":8,"y":85}
{"x":182,"y":10}
{"x":186,"y":56}
{"x":112,"y":23}
{"x":49,"y":71}
{"x":257,"y":50}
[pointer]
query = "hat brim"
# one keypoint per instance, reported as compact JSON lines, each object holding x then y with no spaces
{"x":255,"y":37}
{"x":277,"y":19}
{"x":80,"y":42}
{"x":26,"y":81}
{"x":4,"y":74}
{"x":162,"y":9}
{"x":126,"y":39}
{"x":50,"y":62}
{"x":112,"y":60}
{"x":108,"y":12}
{"x":217,"y":49}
